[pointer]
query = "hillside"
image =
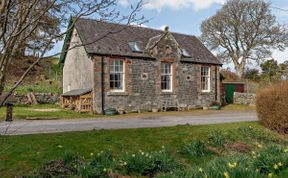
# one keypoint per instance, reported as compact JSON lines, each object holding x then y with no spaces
{"x":44,"y":77}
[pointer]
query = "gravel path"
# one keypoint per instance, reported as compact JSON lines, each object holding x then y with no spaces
{"x":22,"y":127}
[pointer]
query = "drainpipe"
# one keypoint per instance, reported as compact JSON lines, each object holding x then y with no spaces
{"x":102,"y":85}
{"x":216,"y":89}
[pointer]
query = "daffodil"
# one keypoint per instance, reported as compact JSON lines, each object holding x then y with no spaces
{"x":270,"y":175}
{"x":280,"y":164}
{"x":275,"y":166}
{"x":232,"y":165}
{"x":200,"y":169}
{"x":226,"y":174}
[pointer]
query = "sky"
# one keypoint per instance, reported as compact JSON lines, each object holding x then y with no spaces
{"x":186,"y":16}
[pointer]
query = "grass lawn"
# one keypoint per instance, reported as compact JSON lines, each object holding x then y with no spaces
{"x":21,"y":154}
{"x":54,"y":111}
{"x":42,"y":110}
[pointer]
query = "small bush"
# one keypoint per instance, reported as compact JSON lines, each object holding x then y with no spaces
{"x":272,"y":107}
{"x":100,"y":165}
{"x":148,"y":164}
{"x":64,"y":167}
{"x":258,"y":134}
{"x":217,"y":139}
{"x":196,"y":148}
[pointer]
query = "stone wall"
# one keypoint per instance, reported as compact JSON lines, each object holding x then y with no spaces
{"x":42,"y":98}
{"x":144,"y":93}
{"x":143,"y":81}
{"x":244,"y":98}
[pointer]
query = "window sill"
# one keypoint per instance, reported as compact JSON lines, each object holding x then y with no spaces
{"x":206,"y":92}
{"x":168,"y":93}
{"x":117,"y":93}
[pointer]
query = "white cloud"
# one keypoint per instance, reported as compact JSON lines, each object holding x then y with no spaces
{"x":175,"y":4}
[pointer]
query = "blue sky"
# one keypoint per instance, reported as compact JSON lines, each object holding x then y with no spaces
{"x":185,"y":16}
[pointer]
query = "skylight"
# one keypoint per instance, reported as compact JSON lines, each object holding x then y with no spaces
{"x":185,"y":53}
{"x":134,"y":47}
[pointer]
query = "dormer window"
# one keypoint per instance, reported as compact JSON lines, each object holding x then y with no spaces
{"x":185,"y":53}
{"x":134,"y":47}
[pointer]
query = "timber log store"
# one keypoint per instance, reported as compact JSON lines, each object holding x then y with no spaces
{"x":228,"y":89}
{"x":78,"y":100}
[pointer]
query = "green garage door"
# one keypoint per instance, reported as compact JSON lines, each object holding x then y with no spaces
{"x":229,"y":89}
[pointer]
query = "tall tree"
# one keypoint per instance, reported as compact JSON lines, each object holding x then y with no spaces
{"x":270,"y":69}
{"x":243,"y":31}
{"x":24,"y":20}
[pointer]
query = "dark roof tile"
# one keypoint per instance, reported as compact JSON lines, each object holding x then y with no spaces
{"x":118,"y":36}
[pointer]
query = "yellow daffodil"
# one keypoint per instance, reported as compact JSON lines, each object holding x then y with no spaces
{"x":200,"y":169}
{"x":226,"y":174}
{"x":275,"y":166}
{"x":233,"y":165}
{"x":259,"y":145}
{"x":270,"y":175}
{"x":280,"y":164}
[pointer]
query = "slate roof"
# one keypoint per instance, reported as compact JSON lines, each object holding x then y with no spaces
{"x":117,"y":43}
{"x":77,"y":92}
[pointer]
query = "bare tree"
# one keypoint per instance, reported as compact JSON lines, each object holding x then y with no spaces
{"x":243,"y":31}
{"x":20,"y":19}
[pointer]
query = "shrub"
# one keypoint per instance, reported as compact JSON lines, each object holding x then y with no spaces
{"x":217,"y":139}
{"x":148,"y":164}
{"x":272,"y":107}
{"x":196,"y":148}
{"x":100,"y":165}
{"x":64,"y":167}
{"x":270,"y":159}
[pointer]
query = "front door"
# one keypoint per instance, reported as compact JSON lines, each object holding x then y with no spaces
{"x":229,"y":90}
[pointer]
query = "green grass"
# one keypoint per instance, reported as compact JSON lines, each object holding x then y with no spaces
{"x":30,"y":111}
{"x":239,"y":107}
{"x":21,"y":154}
{"x":23,"y":112}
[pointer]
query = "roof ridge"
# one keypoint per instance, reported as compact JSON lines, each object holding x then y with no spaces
{"x":135,"y":26}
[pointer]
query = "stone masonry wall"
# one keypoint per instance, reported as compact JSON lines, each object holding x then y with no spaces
{"x":143,"y":81}
{"x":42,"y":98}
{"x":245,"y":98}
{"x":142,"y":86}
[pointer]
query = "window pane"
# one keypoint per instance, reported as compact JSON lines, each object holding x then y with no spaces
{"x":116,"y":74}
{"x":205,"y":78}
{"x":166,"y":76}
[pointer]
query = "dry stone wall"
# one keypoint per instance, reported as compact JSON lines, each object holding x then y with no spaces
{"x":42,"y":98}
{"x":244,"y":98}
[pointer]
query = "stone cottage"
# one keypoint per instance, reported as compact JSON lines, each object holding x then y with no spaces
{"x":137,"y":68}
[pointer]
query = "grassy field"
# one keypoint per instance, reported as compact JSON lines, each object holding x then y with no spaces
{"x":54,"y":111}
{"x":21,"y":154}
{"x":41,"y":111}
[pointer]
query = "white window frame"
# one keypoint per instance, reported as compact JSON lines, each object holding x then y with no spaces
{"x":114,"y":72}
{"x":167,"y":74}
{"x":207,"y":77}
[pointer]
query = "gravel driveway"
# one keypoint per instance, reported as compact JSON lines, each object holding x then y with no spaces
{"x":22,"y":127}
